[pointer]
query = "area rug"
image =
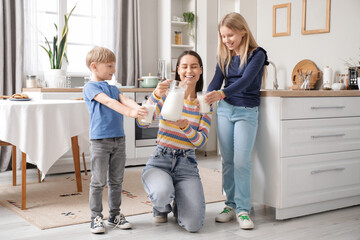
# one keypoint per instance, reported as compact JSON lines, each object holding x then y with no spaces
{"x":56,"y":203}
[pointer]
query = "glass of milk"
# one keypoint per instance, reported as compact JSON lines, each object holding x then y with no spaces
{"x":150,"y":107}
{"x":174,"y":102}
{"x":204,"y":107}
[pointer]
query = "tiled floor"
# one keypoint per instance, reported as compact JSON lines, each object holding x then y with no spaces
{"x":338,"y":224}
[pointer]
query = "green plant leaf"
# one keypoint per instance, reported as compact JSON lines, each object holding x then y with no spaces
{"x":58,"y":52}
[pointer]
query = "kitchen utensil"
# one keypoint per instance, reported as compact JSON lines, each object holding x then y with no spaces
{"x":149,"y":81}
{"x":161,"y":69}
{"x":305,"y":66}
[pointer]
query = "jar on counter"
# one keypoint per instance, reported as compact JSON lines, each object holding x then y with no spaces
{"x":178,"y":38}
{"x":31,"y":81}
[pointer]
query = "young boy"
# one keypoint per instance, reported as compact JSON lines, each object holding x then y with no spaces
{"x":106,"y":107}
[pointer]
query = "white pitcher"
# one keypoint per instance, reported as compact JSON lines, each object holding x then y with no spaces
{"x":174,"y":102}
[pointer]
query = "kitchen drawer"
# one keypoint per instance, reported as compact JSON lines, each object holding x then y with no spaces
{"x":313,"y":136}
{"x":144,"y":152}
{"x":324,"y":107}
{"x":316,"y":178}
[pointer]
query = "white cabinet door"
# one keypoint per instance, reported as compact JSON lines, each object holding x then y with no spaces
{"x":322,"y":177}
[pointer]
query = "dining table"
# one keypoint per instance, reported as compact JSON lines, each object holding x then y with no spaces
{"x":44,"y":130}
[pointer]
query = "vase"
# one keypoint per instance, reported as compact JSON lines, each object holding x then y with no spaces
{"x":55,"y":78}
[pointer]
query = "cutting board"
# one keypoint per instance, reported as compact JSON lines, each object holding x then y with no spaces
{"x":305,"y":66}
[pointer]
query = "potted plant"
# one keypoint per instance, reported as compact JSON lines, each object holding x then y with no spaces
{"x":190,"y":19}
{"x":56,"y":53}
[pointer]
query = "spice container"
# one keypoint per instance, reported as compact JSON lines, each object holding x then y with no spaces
{"x":178,"y":38}
{"x":31,"y":81}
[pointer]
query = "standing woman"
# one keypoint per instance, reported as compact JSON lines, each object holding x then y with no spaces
{"x":241,"y":64}
{"x":171,"y":176}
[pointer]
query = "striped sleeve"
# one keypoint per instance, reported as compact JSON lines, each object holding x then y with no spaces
{"x":198,"y":137}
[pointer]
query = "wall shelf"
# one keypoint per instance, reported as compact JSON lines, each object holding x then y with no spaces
{"x":181,"y":46}
{"x":176,"y":23}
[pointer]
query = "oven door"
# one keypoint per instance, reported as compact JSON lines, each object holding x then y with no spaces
{"x":146,"y":136}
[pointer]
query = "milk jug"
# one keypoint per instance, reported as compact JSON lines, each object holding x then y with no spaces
{"x":174,"y":102}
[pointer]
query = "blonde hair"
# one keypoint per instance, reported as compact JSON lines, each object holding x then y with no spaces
{"x":100,"y":55}
{"x":236,"y":23}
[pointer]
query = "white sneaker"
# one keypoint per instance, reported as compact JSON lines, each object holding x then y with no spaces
{"x":245,"y":221}
{"x":226,"y":215}
{"x":161,"y":218}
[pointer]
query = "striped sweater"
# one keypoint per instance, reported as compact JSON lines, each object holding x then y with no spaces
{"x":195,"y":134}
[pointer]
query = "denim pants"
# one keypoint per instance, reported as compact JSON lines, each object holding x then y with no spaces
{"x":172,"y":175}
{"x":107,"y":167}
{"x":236,"y":129}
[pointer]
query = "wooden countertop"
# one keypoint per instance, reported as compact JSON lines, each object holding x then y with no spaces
{"x":263,"y":92}
{"x":309,"y":93}
{"x":49,"y":90}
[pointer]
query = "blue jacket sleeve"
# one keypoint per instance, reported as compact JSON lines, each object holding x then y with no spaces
{"x":251,"y":71}
{"x":217,"y":80}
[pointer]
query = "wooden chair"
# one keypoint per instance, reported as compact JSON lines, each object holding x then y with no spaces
{"x":83,"y":154}
{"x":2,"y":143}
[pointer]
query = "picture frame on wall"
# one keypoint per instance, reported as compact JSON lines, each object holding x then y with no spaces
{"x":315,"y":16}
{"x":281,"y":20}
{"x":173,"y":64}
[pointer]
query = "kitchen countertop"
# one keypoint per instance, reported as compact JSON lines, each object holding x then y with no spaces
{"x":49,"y":90}
{"x":263,"y":92}
{"x":309,"y":93}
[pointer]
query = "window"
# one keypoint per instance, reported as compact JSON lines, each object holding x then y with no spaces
{"x":91,"y":23}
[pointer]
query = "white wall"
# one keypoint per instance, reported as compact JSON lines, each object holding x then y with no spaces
{"x":149,"y":36}
{"x":325,"y":49}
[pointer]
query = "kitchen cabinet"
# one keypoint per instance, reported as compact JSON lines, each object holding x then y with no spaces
{"x":306,"y":157}
{"x":168,"y":25}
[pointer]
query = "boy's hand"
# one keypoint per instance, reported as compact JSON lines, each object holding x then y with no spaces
{"x":181,"y":123}
{"x":139,"y":112}
{"x":162,"y":87}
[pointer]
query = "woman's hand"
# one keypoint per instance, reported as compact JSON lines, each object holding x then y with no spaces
{"x":212,"y":97}
{"x":161,"y":88}
{"x":181,"y":123}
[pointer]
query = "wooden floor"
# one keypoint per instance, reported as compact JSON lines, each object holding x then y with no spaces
{"x":343,"y":224}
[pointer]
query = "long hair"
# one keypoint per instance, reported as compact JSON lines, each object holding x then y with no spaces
{"x":200,"y":82}
{"x":236,"y":23}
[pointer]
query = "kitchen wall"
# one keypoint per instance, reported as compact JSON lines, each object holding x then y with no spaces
{"x":149,"y":36}
{"x":325,"y":49}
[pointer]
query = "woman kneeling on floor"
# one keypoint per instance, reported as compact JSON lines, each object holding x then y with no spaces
{"x":171,"y":175}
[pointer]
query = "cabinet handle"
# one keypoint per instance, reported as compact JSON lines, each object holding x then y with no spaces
{"x":330,"y":107}
{"x":327,"y":170}
{"x":325,"y":136}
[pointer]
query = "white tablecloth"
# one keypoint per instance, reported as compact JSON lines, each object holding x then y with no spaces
{"x":43,"y":128}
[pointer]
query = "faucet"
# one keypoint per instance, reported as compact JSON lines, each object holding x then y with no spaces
{"x":275,"y":82}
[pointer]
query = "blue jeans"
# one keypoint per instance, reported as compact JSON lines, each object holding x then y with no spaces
{"x":236,"y":129}
{"x":107,"y":167}
{"x":172,"y":175}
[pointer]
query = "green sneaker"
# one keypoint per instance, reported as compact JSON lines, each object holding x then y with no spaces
{"x":226,"y":215}
{"x":245,"y":221}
